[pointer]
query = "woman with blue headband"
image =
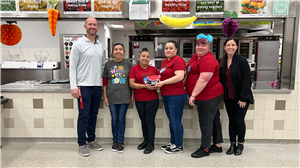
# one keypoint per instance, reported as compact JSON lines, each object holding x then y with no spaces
{"x":205,"y":90}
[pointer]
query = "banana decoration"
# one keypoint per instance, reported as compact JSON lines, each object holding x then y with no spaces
{"x":177,"y":22}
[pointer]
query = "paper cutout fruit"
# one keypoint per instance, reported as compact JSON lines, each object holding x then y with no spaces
{"x":11,"y":34}
{"x":177,"y":22}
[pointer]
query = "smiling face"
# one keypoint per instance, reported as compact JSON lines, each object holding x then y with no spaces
{"x":170,"y":50}
{"x":202,"y":49}
{"x":91,"y":26}
{"x":230,"y":47}
{"x":118,"y":51}
{"x":144,"y":58}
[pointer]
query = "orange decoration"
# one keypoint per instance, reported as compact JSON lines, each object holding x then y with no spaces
{"x":52,"y":18}
{"x":10,"y":34}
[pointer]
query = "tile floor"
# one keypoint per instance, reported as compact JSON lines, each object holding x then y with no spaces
{"x":52,"y":152}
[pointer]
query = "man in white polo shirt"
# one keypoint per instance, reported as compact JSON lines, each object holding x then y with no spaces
{"x":87,"y":61}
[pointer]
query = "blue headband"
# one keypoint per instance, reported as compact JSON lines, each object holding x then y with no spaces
{"x":208,"y":37}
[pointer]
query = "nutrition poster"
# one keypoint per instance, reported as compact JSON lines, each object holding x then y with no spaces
{"x":68,"y":42}
{"x":33,"y":6}
{"x":252,"y":8}
{"x":209,"y":7}
{"x":77,"y":6}
{"x":176,"y":6}
{"x":8,"y":6}
{"x":108,"y":6}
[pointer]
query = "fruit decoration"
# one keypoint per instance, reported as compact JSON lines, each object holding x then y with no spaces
{"x":177,"y":22}
{"x":11,"y":34}
{"x":229,"y":27}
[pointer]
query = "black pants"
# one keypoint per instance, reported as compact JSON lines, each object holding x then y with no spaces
{"x":147,"y":112}
{"x":236,"y":115}
{"x":208,"y":118}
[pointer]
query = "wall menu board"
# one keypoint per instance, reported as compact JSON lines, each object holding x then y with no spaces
{"x":77,"y":6}
{"x":253,"y":8}
{"x":8,"y":6}
{"x":209,"y":7}
{"x":33,"y":6}
{"x":108,"y":6}
{"x":68,"y":42}
{"x":176,"y":6}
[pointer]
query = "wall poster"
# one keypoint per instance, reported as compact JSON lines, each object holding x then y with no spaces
{"x":209,"y":7}
{"x":253,"y":8}
{"x":8,"y":6}
{"x":33,"y":6}
{"x":176,"y":6}
{"x":77,"y":6}
{"x":108,"y":6}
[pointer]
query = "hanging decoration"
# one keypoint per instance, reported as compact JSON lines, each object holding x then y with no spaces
{"x":229,"y":27}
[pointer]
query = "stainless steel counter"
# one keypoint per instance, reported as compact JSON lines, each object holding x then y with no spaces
{"x":25,"y":87}
{"x":258,"y":87}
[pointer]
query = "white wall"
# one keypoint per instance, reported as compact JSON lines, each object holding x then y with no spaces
{"x":298,"y":58}
{"x":122,"y":37}
{"x":36,"y":35}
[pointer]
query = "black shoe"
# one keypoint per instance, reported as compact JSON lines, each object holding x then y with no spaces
{"x":239,"y":149}
{"x":174,"y":149}
{"x":142,"y":145}
{"x":114,"y":147}
{"x":201,"y":152}
{"x":120,"y":148}
{"x":232,"y":149}
{"x":149,"y":149}
{"x":215,"y":149}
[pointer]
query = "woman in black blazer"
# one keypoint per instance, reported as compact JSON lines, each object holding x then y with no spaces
{"x":236,"y":79}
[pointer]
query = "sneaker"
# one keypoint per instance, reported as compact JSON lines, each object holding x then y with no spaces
{"x":120,"y":148}
{"x":201,"y":152}
{"x":95,"y":146}
{"x":83,"y":151}
{"x":114,"y":147}
{"x":215,"y":149}
{"x":174,"y":149}
{"x":166,"y":146}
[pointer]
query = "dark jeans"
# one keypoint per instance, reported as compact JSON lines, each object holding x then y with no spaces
{"x":87,"y":117}
{"x":147,"y":112}
{"x":207,"y":111}
{"x":217,"y":129}
{"x":118,"y":121}
{"x":236,"y":115}
{"x":174,"y":109}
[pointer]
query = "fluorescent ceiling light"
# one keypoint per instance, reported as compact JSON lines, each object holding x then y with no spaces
{"x":117,"y":26}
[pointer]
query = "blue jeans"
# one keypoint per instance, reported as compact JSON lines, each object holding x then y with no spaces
{"x":118,"y":121}
{"x":174,"y":106}
{"x":87,"y":117}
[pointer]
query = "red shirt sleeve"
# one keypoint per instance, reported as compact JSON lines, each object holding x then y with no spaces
{"x":179,"y":64}
{"x":131,"y":72}
{"x":105,"y":81}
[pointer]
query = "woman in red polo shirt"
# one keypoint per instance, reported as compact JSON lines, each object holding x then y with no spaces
{"x":173,"y":94}
{"x":146,"y":98}
{"x":205,"y":90}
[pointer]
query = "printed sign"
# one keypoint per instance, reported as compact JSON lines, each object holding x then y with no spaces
{"x":77,"y":6}
{"x":253,"y":8}
{"x":8,"y":6}
{"x":176,"y":6}
{"x":209,"y":7}
{"x":68,"y":42}
{"x":108,"y":6}
{"x":33,"y":6}
{"x":281,"y":7}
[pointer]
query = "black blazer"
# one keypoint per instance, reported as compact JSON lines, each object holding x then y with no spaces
{"x":241,"y":79}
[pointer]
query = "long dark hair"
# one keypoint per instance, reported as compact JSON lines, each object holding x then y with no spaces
{"x":224,"y":56}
